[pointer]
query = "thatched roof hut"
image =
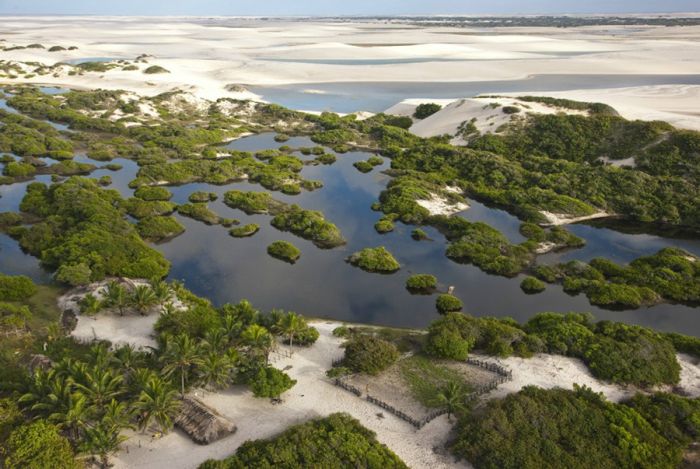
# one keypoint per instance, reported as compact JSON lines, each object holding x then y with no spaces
{"x":203,"y":424}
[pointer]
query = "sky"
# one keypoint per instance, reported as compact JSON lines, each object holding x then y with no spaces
{"x":335,"y":7}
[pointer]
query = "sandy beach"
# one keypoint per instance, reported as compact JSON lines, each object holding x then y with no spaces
{"x":205,"y":56}
{"x":315,"y":396}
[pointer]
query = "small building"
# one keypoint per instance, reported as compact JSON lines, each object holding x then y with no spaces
{"x":203,"y":424}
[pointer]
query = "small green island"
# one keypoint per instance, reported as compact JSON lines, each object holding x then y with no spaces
{"x":377,"y":260}
{"x":244,"y":231}
{"x":284,"y":250}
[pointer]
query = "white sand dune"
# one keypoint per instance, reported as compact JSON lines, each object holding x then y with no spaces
{"x":205,"y":57}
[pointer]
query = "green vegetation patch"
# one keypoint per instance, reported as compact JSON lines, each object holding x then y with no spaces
{"x":153,"y":69}
{"x":426,"y":110}
{"x":202,"y":197}
{"x":532,"y":285}
{"x":426,"y":378}
{"x":159,"y":228}
{"x":285,"y":251}
{"x":447,"y":303}
{"x":80,"y":224}
{"x":334,"y":441}
{"x":14,"y":288}
{"x":421,"y":283}
{"x":559,"y":428}
{"x":244,"y":231}
{"x":199,"y":212}
{"x":377,"y":259}
{"x":152,"y":193}
{"x":369,"y":354}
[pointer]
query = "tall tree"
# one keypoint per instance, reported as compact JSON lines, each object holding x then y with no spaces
{"x":258,"y":339}
{"x":143,"y":298}
{"x":452,"y":397}
{"x":158,"y":403}
{"x":117,"y":296}
{"x":182,"y":355}
{"x":290,"y":325}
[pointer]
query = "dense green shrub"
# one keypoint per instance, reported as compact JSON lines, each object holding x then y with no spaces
{"x":377,"y":259}
{"x":15,"y":288}
{"x":363,"y":166}
{"x":284,"y":250}
{"x":452,"y":336}
{"x":270,"y":382}
{"x":418,"y":234}
{"x":532,"y":285}
{"x":38,"y":445}
{"x":249,"y":202}
{"x":152,"y":193}
{"x":155,"y":69}
{"x":384,"y":225}
{"x":79,"y":223}
{"x":334,"y":441}
{"x":244,"y":231}
{"x":201,"y":197}
{"x":369,"y":354}
{"x":426,"y":110}
{"x":423,"y":283}
{"x":530,"y":430}
{"x":200,"y":212}
{"x":18,"y":169}
{"x":447,"y":303}
{"x":159,"y":228}
{"x":308,"y":224}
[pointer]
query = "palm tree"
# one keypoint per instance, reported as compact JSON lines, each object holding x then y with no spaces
{"x":49,"y":393}
{"x":118,"y":415}
{"x":116,"y":296}
{"x":181,"y":355}
{"x":232,"y":326}
{"x":102,"y":440}
{"x":452,"y":397}
{"x":140,"y":379}
{"x":290,"y":325}
{"x":157,"y":402}
{"x":90,"y":305}
{"x":75,"y":417}
{"x":258,"y":339}
{"x":143,"y":298}
{"x":54,"y":331}
{"x":161,"y":290}
{"x":215,"y":370}
{"x":101,"y":387}
{"x":128,"y":359}
{"x":215,"y":340}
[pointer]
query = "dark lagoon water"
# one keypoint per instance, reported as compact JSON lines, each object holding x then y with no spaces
{"x":322,"y":284}
{"x":348,"y":97}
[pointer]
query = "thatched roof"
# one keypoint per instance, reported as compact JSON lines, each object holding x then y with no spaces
{"x":202,"y":424}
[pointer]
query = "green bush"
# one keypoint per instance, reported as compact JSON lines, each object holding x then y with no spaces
{"x":424,"y":283}
{"x":426,"y":110}
{"x":159,"y":228}
{"x":308,"y":224}
{"x":285,"y":251}
{"x":384,"y":225}
{"x":529,"y":429}
{"x":202,"y":197}
{"x":244,"y":231}
{"x":377,"y":259}
{"x":369,"y":354}
{"x":363,"y":166}
{"x":447,"y":303}
{"x":199,"y":212}
{"x":452,"y":336}
{"x":532,"y":285}
{"x":270,"y":382}
{"x":38,"y":445}
{"x":152,"y":193}
{"x":18,"y":169}
{"x":332,"y":442}
{"x":16,"y":288}
{"x":419,"y":235}
{"x":155,"y":69}
{"x":74,"y":274}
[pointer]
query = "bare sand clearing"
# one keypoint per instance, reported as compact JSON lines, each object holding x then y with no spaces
{"x":206,"y":57}
{"x":314,"y":396}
